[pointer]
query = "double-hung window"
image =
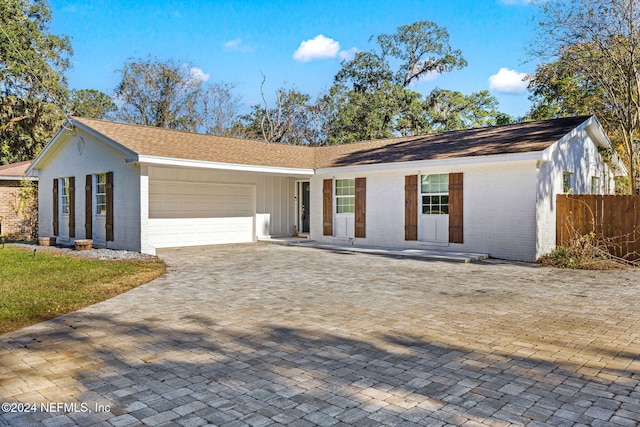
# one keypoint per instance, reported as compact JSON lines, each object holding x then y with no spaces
{"x":595,"y":185}
{"x":345,"y":195}
{"x":567,"y":178}
{"x":65,"y":195}
{"x":435,"y":194}
{"x":101,"y":193}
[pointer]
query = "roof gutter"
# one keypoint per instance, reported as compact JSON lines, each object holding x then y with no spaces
{"x":170,"y":161}
{"x":434,"y":163}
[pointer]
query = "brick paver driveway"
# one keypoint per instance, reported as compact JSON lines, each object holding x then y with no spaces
{"x":265,"y":335}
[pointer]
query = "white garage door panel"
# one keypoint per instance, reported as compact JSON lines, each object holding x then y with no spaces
{"x":176,"y":232}
{"x":200,"y":200}
{"x":190,"y":214}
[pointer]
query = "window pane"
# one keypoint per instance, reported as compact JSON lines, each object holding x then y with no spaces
{"x":101,"y":193}
{"x":435,"y":194}
{"x":345,"y":187}
{"x":65,"y":195}
{"x":566,"y":182}
{"x":438,"y":183}
{"x":345,"y":204}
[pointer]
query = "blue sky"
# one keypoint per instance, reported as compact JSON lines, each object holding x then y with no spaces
{"x":299,"y":43}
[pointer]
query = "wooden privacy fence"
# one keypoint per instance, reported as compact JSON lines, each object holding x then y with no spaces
{"x":615,"y":221}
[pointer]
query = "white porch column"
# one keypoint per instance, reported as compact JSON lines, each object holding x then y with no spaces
{"x":145,"y":247}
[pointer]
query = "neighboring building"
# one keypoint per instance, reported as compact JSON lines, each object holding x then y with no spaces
{"x":489,"y":190}
{"x":13,"y":225}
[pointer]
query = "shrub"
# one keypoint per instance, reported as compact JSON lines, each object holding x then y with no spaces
{"x":586,"y":252}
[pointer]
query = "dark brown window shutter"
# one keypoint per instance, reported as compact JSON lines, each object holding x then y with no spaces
{"x":456,"y":212}
{"x":361,"y":207}
{"x":72,"y":206}
{"x":327,"y":207}
{"x":109,"y":222}
{"x":411,"y":207}
{"x":55,"y":208}
{"x":88,"y":207}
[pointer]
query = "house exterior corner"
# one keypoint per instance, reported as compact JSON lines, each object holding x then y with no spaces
{"x":88,"y":191}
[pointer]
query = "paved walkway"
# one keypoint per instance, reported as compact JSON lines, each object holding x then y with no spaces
{"x":443,"y":254}
{"x":263,"y":335}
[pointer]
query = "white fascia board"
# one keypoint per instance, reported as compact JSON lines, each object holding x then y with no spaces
{"x":595,"y":130}
{"x":69,"y":127}
{"x":437,"y":163}
{"x":170,"y":161}
{"x":17,"y":178}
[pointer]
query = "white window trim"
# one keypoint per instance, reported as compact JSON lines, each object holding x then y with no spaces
{"x":95,"y":185}
{"x":421,"y":194}
{"x":64,"y":195}
{"x":348,"y":196}
{"x":596,"y":184}
{"x":567,"y":188}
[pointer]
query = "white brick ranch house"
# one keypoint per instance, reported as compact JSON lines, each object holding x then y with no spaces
{"x":489,"y":190}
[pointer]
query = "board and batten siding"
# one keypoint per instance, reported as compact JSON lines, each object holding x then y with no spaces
{"x":264,"y":206}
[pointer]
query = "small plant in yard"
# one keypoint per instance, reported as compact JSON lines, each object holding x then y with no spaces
{"x":586,"y":252}
{"x":37,"y":286}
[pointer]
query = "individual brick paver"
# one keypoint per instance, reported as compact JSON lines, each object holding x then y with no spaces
{"x":259,"y":335}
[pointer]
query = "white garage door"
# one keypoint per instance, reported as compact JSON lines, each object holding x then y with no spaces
{"x":189,"y":214}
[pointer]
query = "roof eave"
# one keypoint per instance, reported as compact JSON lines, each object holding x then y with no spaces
{"x":170,"y":161}
{"x":70,"y":125}
{"x":33,"y":167}
{"x":529,"y":156}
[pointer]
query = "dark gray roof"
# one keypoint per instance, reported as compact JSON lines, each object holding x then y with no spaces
{"x":508,"y":139}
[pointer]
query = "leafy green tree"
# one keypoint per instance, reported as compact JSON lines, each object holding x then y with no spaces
{"x":91,"y":103}
{"x":388,"y":111}
{"x":504,"y":119}
{"x":421,"y":48}
{"x":367,"y":72}
{"x":33,"y":89}
{"x":370,"y":99}
{"x":598,"y":41}
{"x":452,"y":110}
{"x":558,"y":89}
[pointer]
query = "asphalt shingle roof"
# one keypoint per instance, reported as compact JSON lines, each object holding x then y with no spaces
{"x":159,"y":142}
{"x":509,"y":139}
{"x":14,"y":169}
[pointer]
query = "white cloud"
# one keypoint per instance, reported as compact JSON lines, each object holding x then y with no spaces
{"x":198,"y":75}
{"x":319,"y":47}
{"x":237,"y":45}
{"x":508,"y":81}
{"x":347,"y":55}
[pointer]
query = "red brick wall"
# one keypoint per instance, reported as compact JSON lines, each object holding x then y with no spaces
{"x":14,"y":227}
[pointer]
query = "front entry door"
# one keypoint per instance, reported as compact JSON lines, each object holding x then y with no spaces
{"x":304,"y":198}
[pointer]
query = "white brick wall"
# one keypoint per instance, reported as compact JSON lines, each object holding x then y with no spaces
{"x":509,"y":201}
{"x":578,"y":155}
{"x":95,"y":157}
{"x":499,"y":207}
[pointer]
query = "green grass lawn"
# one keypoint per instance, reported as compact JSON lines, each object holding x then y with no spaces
{"x":44,"y":286}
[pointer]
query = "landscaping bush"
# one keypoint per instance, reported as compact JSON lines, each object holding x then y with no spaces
{"x":586,"y":252}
